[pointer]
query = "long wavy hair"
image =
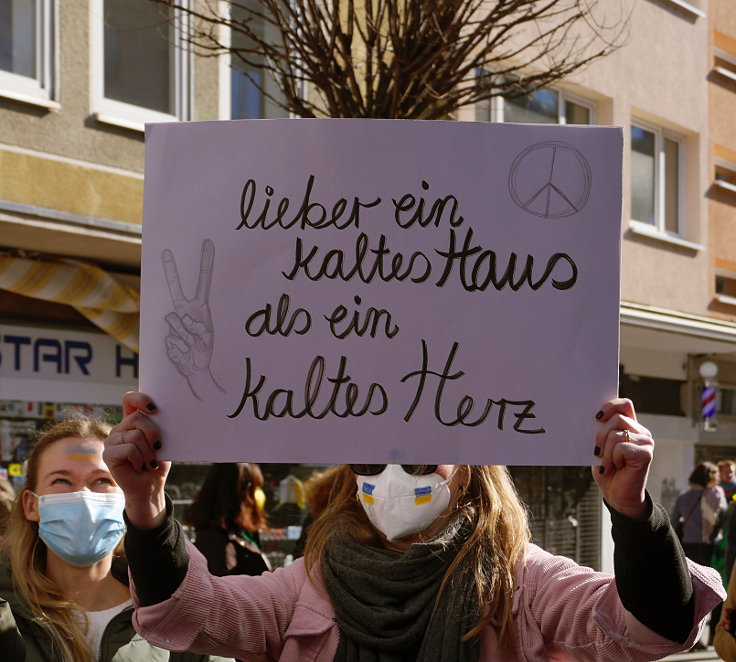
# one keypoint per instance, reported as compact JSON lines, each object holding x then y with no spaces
{"x":497,"y":543}
{"x":227,"y":499}
{"x":26,"y":552}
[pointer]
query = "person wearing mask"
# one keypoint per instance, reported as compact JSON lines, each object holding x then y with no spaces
{"x":420,"y":562}
{"x":64,"y":592}
{"x":227,"y":514}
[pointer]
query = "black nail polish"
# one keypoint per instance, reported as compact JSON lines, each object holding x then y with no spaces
{"x":599,"y":415}
{"x":151,"y":406}
{"x":157,"y":444}
{"x":154,"y":464}
{"x":597,"y":451}
{"x":601,"y":469}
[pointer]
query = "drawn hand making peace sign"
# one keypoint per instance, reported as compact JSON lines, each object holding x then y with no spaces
{"x":190,"y":339}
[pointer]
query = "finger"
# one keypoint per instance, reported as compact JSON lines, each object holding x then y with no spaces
{"x":205,"y":270}
{"x":140,"y":431}
{"x":626,"y":446}
{"x":177,"y":327}
{"x":172,"y":277}
{"x":197,"y":329}
{"x":631,"y":448}
{"x":135,"y":401}
{"x":174,"y":344}
{"x":615,"y":421}
{"x":616,"y":406}
{"x":116,"y":455}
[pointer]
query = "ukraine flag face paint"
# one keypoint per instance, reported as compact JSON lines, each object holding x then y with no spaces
{"x":400,"y":504}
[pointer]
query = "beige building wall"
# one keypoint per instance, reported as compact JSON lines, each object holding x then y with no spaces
{"x":722,"y":124}
{"x":659,"y":77}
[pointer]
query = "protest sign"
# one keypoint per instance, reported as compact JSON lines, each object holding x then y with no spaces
{"x":339,"y":290}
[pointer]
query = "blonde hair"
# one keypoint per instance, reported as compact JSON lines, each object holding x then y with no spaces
{"x":496,"y":545}
{"x":50,"y":607}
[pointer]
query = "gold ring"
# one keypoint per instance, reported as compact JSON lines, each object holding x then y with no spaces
{"x":627,"y":437}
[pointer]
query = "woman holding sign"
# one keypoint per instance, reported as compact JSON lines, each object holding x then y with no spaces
{"x":427,"y":563}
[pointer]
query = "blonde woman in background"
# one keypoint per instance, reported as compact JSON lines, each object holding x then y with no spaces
{"x":63,"y":574}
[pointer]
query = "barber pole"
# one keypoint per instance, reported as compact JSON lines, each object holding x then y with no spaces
{"x":708,"y":406}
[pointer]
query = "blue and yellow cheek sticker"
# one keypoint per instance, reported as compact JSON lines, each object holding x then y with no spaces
{"x":368,"y":493}
{"x":422,"y":495}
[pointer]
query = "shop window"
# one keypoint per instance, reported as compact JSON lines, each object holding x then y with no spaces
{"x":564,"y":508}
{"x":543,"y":106}
{"x":653,"y":395}
{"x":248,"y":80}
{"x":140,"y":66}
{"x":656,"y":178}
{"x":26,"y":50}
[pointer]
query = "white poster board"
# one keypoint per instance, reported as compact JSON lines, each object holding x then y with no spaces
{"x":336,"y":290}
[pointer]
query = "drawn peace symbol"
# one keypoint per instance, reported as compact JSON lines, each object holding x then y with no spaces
{"x":550,"y":179}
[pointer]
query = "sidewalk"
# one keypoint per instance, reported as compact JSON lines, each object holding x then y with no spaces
{"x":709,"y":654}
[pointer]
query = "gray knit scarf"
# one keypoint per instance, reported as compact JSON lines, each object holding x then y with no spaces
{"x":384,"y":600}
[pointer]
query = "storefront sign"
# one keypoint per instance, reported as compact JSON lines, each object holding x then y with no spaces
{"x":55,"y":365}
{"x":380,"y":291}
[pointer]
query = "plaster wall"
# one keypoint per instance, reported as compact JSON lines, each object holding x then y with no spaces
{"x":658,"y":77}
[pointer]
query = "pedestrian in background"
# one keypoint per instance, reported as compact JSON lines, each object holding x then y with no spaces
{"x":699,"y":512}
{"x":227,"y":513}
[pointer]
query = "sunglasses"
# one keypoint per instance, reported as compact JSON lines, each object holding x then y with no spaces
{"x":375,"y":469}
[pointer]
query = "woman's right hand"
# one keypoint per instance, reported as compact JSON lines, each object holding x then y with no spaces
{"x":130,"y":454}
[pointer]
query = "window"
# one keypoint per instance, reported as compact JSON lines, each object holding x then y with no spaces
{"x":26,"y":50}
{"x":140,"y":68}
{"x":247,"y":101}
{"x":656,"y":188}
{"x":544,"y":106}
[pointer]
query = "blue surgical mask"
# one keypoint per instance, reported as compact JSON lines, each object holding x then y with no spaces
{"x":81,"y":527}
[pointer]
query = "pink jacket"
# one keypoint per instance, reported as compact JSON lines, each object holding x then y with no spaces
{"x":563,"y":612}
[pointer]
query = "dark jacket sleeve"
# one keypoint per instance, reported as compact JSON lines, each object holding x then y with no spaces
{"x":157,"y":558}
{"x":652,"y":576}
{"x":11,"y":642}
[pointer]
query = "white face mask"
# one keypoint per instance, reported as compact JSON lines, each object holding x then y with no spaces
{"x":400,"y":504}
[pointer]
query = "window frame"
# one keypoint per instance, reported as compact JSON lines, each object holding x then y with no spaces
{"x":225,"y":73}
{"x":659,"y":226}
{"x":39,"y":90}
{"x":496,"y":109}
{"x":130,"y":116}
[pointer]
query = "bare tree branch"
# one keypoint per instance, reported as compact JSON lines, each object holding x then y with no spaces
{"x":408,"y":59}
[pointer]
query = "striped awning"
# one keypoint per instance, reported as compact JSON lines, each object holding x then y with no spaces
{"x":110,"y":304}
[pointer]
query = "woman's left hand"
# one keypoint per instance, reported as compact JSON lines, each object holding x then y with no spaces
{"x":625,"y":449}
